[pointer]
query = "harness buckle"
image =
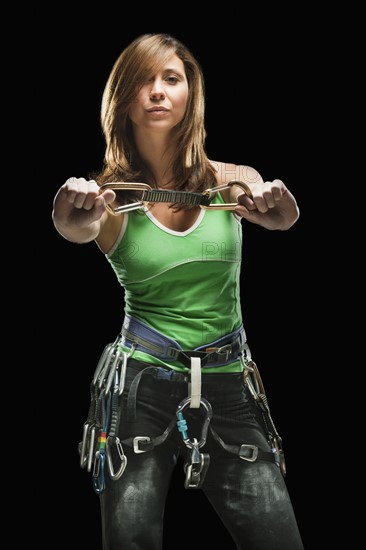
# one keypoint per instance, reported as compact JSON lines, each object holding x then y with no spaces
{"x":137,"y":439}
{"x":222,"y":352}
{"x":254,"y":452}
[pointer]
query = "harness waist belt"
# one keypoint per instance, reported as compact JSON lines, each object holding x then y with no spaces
{"x":221,"y":352}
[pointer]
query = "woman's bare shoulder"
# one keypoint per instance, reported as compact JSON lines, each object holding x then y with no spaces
{"x":226,"y":171}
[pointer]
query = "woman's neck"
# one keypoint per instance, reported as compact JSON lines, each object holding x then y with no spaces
{"x":157,"y":151}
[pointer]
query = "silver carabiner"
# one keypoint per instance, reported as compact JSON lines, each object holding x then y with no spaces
{"x":208,"y":415}
{"x":116,"y":475}
{"x":126,"y":356}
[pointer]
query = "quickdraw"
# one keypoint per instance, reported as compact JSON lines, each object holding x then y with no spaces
{"x":150,"y":195}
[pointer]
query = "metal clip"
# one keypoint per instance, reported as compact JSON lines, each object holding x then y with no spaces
{"x":126,"y":356}
{"x":229,"y":205}
{"x":86,"y":446}
{"x":277,"y":442}
{"x":134,"y":186}
{"x":98,"y":472}
{"x":92,"y":442}
{"x":116,"y":475}
{"x":182,"y":425}
{"x":112,"y":372}
{"x":83,"y":446}
{"x":104,"y":362}
{"x":196,"y":467}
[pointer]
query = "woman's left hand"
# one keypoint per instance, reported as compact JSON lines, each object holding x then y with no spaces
{"x":272,"y":205}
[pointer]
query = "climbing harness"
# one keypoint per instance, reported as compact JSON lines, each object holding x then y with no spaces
{"x":150,"y":195}
{"x":221,"y":352}
{"x":100,"y":444}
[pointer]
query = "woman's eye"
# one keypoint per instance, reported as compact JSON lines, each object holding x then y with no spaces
{"x":172,"y":79}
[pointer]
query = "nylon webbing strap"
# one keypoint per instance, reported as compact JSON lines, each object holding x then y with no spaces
{"x":246,"y":451}
{"x":195,"y":384}
{"x":183,"y":197}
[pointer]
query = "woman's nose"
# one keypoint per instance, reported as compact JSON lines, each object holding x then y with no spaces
{"x":157,"y":91}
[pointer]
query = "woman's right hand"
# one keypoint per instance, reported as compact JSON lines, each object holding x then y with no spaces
{"x":78,"y":208}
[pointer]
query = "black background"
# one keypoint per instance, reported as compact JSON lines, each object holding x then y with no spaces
{"x":259,"y":87}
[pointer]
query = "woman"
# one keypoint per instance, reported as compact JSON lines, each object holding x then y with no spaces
{"x":179,"y":378}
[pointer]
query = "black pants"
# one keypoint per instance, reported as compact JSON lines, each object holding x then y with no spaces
{"x":250,"y":497}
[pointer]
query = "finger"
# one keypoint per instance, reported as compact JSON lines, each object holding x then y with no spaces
{"x":250,"y":215}
{"x":269,"y":199}
{"x":108,"y":195}
{"x":261,"y":204}
{"x":278,"y":192}
{"x":244,"y":200}
{"x":70,"y":184}
{"x":82,"y":193}
{"x":242,"y":211}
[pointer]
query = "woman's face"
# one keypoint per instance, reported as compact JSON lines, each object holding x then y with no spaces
{"x":161,"y":102}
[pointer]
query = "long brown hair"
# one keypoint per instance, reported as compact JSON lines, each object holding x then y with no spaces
{"x":145,"y":56}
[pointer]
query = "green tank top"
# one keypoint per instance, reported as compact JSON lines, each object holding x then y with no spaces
{"x":185,"y":285}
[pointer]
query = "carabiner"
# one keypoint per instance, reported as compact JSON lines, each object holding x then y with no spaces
{"x":134,"y":186}
{"x":116,"y":475}
{"x":126,"y":356}
{"x":182,"y":424}
{"x":277,"y":442}
{"x":103,"y":361}
{"x":83,"y":446}
{"x":226,"y":205}
{"x":98,"y":472}
{"x":86,"y":447}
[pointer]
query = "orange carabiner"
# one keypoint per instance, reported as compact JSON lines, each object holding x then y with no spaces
{"x":226,"y":205}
